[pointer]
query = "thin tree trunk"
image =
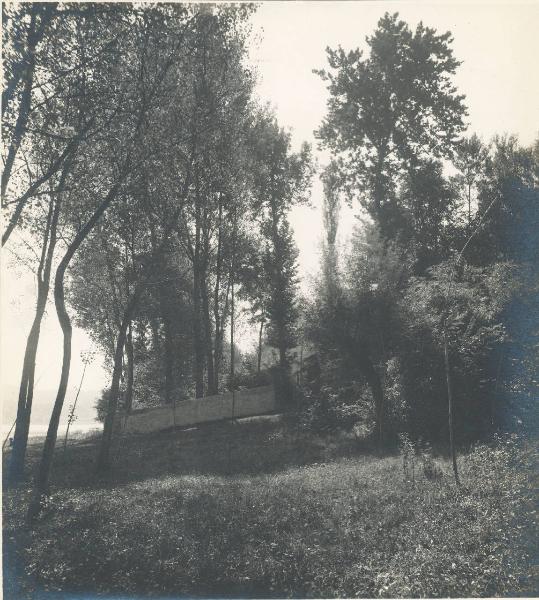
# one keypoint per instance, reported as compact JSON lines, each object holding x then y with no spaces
{"x":450,"y":410}
{"x":197,"y":335}
{"x":41,"y":483}
{"x":74,"y":407}
{"x":130,"y":368}
{"x":35,"y":34}
{"x":168,"y":357}
{"x":218,"y":339}
{"x":26,"y":389}
{"x":197,"y":312}
{"x":212,"y":384}
{"x":43,"y":473}
{"x":103,"y":459}
{"x":232,"y":354}
{"x":259,"y":362}
{"x":24,"y":407}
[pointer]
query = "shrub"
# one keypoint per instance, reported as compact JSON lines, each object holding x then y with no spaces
{"x":331,"y":409}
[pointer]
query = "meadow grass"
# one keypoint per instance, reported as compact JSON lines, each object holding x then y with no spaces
{"x":255,"y":510}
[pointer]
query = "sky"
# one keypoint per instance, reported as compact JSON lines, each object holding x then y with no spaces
{"x":497,"y":42}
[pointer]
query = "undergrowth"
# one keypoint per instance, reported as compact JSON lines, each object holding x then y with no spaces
{"x":349,"y":527}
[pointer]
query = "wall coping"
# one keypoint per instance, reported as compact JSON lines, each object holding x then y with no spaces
{"x":225,"y":395}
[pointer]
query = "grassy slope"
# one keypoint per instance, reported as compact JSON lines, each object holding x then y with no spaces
{"x":251,"y":510}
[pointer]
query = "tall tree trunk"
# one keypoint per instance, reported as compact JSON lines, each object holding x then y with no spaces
{"x":41,"y":483}
{"x":26,"y":389}
{"x":168,"y":356}
{"x":259,"y":361}
{"x":208,"y":338}
{"x":197,"y":311}
{"x":452,"y":449}
{"x":218,"y":338}
{"x":43,"y":474}
{"x":197,"y":335}
{"x":130,"y":368}
{"x":278,"y":292}
{"x":103,"y":459}
{"x":232,"y":324}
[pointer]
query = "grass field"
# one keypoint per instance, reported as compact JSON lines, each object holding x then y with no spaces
{"x":252,"y":509}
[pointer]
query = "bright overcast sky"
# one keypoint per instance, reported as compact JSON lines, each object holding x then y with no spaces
{"x":499,"y":44}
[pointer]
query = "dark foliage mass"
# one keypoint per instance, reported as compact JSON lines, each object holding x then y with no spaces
{"x":446,"y":266}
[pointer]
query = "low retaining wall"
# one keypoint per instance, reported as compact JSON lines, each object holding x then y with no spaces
{"x":243,"y":403}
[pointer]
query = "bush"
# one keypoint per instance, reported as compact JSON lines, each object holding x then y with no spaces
{"x":331,"y":409}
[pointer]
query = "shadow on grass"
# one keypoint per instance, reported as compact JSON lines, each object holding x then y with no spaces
{"x":225,"y":448}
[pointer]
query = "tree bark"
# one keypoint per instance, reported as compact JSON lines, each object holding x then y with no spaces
{"x":26,"y":389}
{"x":130,"y":368}
{"x":168,"y":355}
{"x":218,"y":339}
{"x":452,"y":449}
{"x":41,"y":483}
{"x":103,"y":459}
{"x":197,"y":312}
{"x":259,"y":361}
{"x":232,"y":354}
{"x":197,"y":335}
{"x":208,"y":338}
{"x":375,"y":385}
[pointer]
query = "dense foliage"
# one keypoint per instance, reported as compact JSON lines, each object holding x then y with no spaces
{"x":446,"y":263}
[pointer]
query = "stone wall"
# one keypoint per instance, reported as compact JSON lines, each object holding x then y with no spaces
{"x":243,"y":403}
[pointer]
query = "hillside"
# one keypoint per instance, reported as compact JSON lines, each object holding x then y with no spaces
{"x":255,"y":509}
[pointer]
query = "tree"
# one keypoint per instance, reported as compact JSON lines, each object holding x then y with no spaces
{"x":26,"y":388}
{"x":106,"y":167}
{"x":218,"y":111}
{"x":280,"y":263}
{"x":281,"y":179}
{"x":389,"y":110}
{"x":68,"y":107}
{"x":357,"y":332}
{"x":510,"y":185}
{"x":331,"y":208}
{"x":427,"y":202}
